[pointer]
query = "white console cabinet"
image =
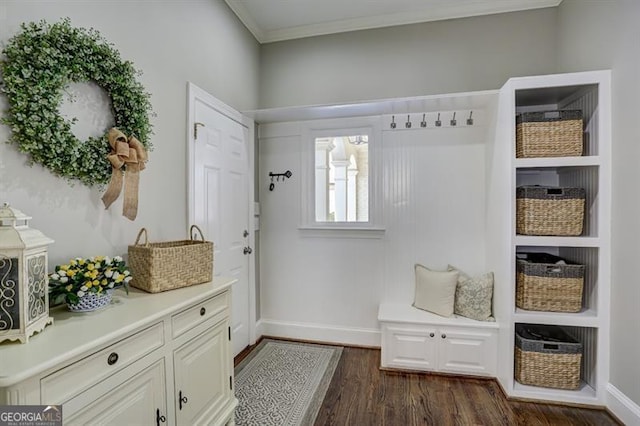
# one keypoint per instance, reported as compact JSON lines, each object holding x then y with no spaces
{"x":145,"y":359}
{"x":418,"y":340}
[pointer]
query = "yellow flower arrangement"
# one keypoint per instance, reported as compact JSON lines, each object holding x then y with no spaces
{"x":80,"y":276}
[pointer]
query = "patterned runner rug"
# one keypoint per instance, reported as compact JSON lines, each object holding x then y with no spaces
{"x":283,"y":383}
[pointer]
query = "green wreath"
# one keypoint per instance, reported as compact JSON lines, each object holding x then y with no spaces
{"x":39,"y":62}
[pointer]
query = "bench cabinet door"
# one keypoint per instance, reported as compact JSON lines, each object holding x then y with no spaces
{"x":467,"y":351}
{"x":409,"y":347}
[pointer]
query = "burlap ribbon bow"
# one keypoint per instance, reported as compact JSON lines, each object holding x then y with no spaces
{"x":130,"y":153}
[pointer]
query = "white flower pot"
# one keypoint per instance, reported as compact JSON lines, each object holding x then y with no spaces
{"x":91,"y":302}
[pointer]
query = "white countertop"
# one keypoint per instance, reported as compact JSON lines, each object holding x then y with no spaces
{"x":75,"y":333}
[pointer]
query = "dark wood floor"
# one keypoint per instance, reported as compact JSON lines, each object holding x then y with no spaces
{"x":360,"y":394}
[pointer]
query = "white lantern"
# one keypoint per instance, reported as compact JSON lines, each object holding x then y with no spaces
{"x":24,"y":296}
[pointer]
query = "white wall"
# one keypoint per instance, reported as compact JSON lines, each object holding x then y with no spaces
{"x":308,"y":280}
{"x":172,"y":42}
{"x":433,"y":199}
{"x":458,"y":55}
{"x":600,"y":35}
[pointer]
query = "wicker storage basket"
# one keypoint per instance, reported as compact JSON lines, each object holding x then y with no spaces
{"x":157,"y":267}
{"x":544,"y":285}
{"x":549,"y":134}
{"x":547,"y":356}
{"x":542,"y":210}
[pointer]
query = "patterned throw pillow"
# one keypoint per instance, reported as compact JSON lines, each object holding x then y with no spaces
{"x":435,"y":290}
{"x":473,"y":295}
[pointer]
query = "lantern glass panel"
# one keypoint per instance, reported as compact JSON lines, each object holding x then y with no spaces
{"x":9,"y":293}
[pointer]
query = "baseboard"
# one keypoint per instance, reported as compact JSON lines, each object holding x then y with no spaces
{"x":622,"y":407}
{"x":319,"y":332}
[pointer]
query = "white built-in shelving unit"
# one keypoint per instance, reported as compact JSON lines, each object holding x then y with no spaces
{"x":589,"y":92}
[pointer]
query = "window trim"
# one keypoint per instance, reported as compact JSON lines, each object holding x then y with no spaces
{"x":311,"y":130}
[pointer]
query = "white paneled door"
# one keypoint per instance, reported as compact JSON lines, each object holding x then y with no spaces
{"x":221,"y":202}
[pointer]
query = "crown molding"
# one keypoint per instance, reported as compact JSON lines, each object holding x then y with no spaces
{"x":451,"y":11}
{"x":247,"y":19}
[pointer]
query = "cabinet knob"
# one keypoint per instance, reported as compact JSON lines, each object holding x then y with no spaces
{"x":182,"y":400}
{"x":160,"y":418}
{"x":113,"y":358}
{"x":432,"y":334}
{"x":444,"y":336}
{"x":203,"y":311}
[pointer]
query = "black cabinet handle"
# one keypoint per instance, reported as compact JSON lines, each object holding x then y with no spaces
{"x":182,"y":400}
{"x":160,"y":418}
{"x":113,"y":358}
{"x":444,"y":336}
{"x":432,"y":334}
{"x":203,"y":311}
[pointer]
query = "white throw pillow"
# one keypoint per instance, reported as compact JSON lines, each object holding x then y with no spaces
{"x":435,"y":290}
{"x":473,"y":295}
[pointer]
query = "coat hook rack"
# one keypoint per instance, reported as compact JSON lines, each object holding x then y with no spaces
{"x":444,"y":119}
{"x":285,"y":175}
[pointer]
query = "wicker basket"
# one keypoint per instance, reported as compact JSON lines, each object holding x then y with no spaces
{"x":549,"y":134}
{"x":157,"y":267}
{"x":542,"y":210}
{"x":544,"y":285}
{"x":547,"y":356}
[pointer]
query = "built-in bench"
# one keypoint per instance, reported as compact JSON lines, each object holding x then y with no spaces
{"x":414,"y":339}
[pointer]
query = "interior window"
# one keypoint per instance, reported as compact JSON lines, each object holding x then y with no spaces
{"x":342,"y":178}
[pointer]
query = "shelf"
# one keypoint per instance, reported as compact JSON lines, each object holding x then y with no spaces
{"x":429,"y":103}
{"x":586,"y":318}
{"x":585,"y":161}
{"x":555,"y":89}
{"x":532,"y":240}
{"x":584,"y":394}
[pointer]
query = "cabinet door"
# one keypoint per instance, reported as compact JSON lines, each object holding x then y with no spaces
{"x":137,"y":401}
{"x":412,"y":347}
{"x":467,"y":351}
{"x":203,"y":377}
